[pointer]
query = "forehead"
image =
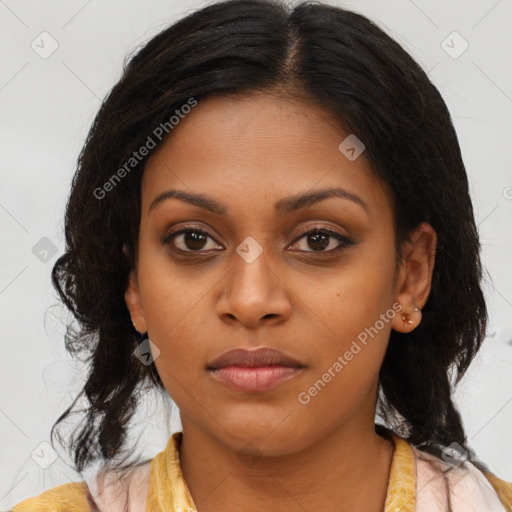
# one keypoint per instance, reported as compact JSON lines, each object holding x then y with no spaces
{"x":249,"y":150}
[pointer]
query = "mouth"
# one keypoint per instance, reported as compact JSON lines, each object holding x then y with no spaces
{"x":254,"y":371}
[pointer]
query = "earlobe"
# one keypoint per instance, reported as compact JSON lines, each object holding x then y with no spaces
{"x":134,"y":303}
{"x":407,"y":320}
{"x":415,"y":277}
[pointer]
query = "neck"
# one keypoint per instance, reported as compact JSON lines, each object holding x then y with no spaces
{"x":345,"y":470}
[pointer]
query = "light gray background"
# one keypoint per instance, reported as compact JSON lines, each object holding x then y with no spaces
{"x":47,"y":107}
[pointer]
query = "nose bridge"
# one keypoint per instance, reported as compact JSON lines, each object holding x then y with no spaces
{"x":251,"y":268}
{"x":252,"y":286}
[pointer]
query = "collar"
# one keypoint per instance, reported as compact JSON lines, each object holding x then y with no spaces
{"x":168,"y":491}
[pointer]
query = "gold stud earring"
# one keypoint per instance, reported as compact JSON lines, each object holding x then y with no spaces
{"x":408,"y":321}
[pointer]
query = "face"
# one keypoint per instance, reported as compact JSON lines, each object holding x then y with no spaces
{"x":256,"y":252}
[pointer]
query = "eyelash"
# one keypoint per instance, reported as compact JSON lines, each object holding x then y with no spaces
{"x":344,"y":241}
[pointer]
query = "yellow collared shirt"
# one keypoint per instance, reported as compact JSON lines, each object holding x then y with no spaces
{"x":416,"y":482}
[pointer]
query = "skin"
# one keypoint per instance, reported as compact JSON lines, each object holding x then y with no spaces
{"x":266,"y":450}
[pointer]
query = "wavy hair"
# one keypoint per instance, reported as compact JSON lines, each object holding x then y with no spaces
{"x":326,"y":56}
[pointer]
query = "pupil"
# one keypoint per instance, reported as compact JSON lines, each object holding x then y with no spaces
{"x":318,"y":241}
{"x":194,"y":240}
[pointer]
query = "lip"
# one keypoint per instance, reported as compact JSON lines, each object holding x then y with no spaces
{"x":254,"y":370}
{"x":263,"y":356}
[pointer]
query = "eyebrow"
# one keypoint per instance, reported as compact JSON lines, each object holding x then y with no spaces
{"x":282,"y":207}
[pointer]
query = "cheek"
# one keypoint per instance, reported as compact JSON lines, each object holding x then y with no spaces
{"x":349,"y":358}
{"x":181,"y":359}
{"x":354,"y":297}
{"x":173,"y":310}
{"x":354,"y":313}
{"x":170,"y":299}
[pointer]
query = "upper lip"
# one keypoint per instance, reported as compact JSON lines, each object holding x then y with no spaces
{"x":253,"y":358}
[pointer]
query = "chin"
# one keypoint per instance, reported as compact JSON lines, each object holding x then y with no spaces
{"x":257,"y":437}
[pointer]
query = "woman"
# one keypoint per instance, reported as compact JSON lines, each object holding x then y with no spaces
{"x":270,"y":221}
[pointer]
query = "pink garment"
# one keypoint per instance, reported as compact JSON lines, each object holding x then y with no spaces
{"x":461,"y":489}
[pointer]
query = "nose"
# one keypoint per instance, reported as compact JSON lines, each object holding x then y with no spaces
{"x":254,"y":293}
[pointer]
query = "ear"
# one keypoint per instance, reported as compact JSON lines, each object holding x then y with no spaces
{"x":414,"y":277}
{"x":134,"y":303}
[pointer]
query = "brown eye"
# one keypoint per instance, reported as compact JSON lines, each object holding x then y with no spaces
{"x":324,"y":241}
{"x":191,"y":240}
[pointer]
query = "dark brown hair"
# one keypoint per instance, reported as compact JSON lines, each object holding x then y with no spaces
{"x":329,"y":57}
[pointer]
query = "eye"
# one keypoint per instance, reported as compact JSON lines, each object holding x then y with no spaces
{"x":320,"y":239}
{"x":190,"y":240}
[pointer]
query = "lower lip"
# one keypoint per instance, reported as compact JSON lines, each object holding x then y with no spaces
{"x":261,"y":378}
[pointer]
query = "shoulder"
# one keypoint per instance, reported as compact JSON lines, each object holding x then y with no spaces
{"x":113,"y":491}
{"x":464,"y":486}
{"x":108,"y":491}
{"x":71,"y":497}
